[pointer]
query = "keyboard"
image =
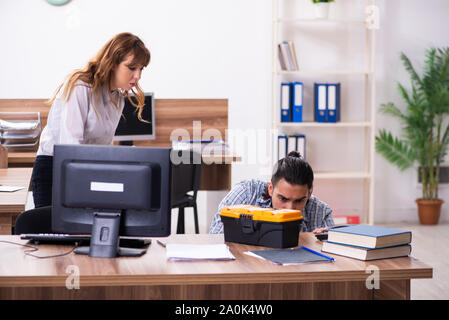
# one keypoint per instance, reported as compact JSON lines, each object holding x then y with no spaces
{"x":84,"y":240}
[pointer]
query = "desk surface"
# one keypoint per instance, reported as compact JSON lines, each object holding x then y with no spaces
{"x":15,"y":201}
{"x":18,"y":270}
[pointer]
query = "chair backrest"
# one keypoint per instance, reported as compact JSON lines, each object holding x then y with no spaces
{"x":185,"y":178}
{"x":36,"y":220}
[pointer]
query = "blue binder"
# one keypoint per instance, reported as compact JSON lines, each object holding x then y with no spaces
{"x":282,"y":146}
{"x":333,"y":102}
{"x":320,"y":95}
{"x":327,"y":102}
{"x":301,"y":145}
{"x":286,"y":115}
{"x":297,"y":101}
{"x":291,"y":144}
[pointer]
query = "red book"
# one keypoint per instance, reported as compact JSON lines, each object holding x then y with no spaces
{"x":340,"y":219}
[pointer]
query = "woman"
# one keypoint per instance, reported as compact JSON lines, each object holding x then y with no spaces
{"x":88,"y":108}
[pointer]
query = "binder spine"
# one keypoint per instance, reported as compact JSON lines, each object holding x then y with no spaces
{"x":320,"y":95}
{"x":333,"y":109}
{"x":285,"y":102}
{"x":301,"y":145}
{"x":297,"y":101}
{"x":282,"y":146}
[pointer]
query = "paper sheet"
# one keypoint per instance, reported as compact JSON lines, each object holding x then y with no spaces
{"x":9,"y":188}
{"x":190,"y":252}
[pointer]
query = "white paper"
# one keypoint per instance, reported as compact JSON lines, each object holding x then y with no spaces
{"x":198,"y":252}
{"x":10,"y":188}
{"x":18,"y":125}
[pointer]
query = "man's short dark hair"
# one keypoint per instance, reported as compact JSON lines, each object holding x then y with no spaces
{"x":294,"y":169}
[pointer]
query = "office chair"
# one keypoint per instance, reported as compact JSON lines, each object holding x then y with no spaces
{"x":36,"y":220}
{"x":185,"y":178}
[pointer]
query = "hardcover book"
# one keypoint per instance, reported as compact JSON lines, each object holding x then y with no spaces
{"x":365,"y":253}
{"x":368,"y":236}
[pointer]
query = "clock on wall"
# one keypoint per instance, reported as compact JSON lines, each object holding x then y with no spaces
{"x":57,"y":2}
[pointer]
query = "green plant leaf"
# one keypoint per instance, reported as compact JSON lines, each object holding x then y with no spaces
{"x":394,"y":150}
{"x":444,"y":146}
{"x":391,"y":109}
{"x":409,"y":67}
{"x":423,"y":137}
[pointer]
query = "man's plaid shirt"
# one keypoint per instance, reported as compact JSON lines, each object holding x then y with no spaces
{"x":316,"y":213}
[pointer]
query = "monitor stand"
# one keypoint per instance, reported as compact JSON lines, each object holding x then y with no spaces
{"x":104,"y":242}
{"x":126,"y":143}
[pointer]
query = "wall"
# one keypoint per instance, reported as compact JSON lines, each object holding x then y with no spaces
{"x":217,"y":49}
{"x":409,"y":26}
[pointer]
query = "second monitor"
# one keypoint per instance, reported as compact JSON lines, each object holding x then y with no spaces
{"x":130,"y":128}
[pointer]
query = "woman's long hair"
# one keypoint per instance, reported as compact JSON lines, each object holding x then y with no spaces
{"x":99,"y":70}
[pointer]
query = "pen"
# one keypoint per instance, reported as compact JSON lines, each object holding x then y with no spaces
{"x":161,"y":243}
{"x":317,"y":253}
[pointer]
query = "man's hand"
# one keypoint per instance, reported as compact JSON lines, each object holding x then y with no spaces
{"x":320,"y":230}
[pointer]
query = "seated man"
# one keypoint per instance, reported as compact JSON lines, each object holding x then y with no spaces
{"x":290,"y":188}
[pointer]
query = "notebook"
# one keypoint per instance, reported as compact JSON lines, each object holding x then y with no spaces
{"x":290,"y":256}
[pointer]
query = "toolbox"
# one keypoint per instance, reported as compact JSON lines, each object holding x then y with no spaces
{"x":259,"y":226}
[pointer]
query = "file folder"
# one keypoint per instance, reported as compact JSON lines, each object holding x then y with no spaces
{"x":320,"y":90}
{"x":301,"y":145}
{"x":282,"y":146}
{"x":291,"y":144}
{"x":285,"y":102}
{"x":333,"y":102}
{"x":297,"y":101}
{"x":327,"y":102}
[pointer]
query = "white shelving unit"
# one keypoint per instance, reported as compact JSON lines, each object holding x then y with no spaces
{"x":364,"y":127}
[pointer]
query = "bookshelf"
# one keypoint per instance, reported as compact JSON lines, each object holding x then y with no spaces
{"x":289,"y":20}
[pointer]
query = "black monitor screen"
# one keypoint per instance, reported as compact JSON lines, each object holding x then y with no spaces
{"x":130,"y":127}
{"x":106,"y":188}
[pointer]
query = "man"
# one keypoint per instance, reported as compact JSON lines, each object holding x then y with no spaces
{"x":290,"y":188}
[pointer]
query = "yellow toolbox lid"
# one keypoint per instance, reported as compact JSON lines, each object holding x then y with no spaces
{"x":261,"y":214}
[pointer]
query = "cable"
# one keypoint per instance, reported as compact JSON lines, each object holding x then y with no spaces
{"x":35,"y":248}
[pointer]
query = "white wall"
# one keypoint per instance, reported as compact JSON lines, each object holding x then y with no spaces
{"x":217,"y":49}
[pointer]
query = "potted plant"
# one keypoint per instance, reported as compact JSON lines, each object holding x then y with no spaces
{"x":425,"y":136}
{"x":322,"y":8}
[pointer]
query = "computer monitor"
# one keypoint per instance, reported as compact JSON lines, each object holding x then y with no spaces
{"x":130,"y":128}
{"x":111,"y":191}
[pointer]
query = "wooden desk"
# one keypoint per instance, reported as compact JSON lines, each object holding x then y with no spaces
{"x":13,"y":203}
{"x":153,"y":277}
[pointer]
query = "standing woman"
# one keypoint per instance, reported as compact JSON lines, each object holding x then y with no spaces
{"x":87,"y":107}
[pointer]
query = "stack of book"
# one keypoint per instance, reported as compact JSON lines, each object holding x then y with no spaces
{"x":365,"y":242}
{"x":20,"y":131}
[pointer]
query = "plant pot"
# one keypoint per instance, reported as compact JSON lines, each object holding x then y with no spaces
{"x":322,"y":10}
{"x":429,"y":210}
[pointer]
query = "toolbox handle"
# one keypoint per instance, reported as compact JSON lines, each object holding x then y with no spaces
{"x":246,"y":222}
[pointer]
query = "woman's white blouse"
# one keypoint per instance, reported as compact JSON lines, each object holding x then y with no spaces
{"x":76,"y":122}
